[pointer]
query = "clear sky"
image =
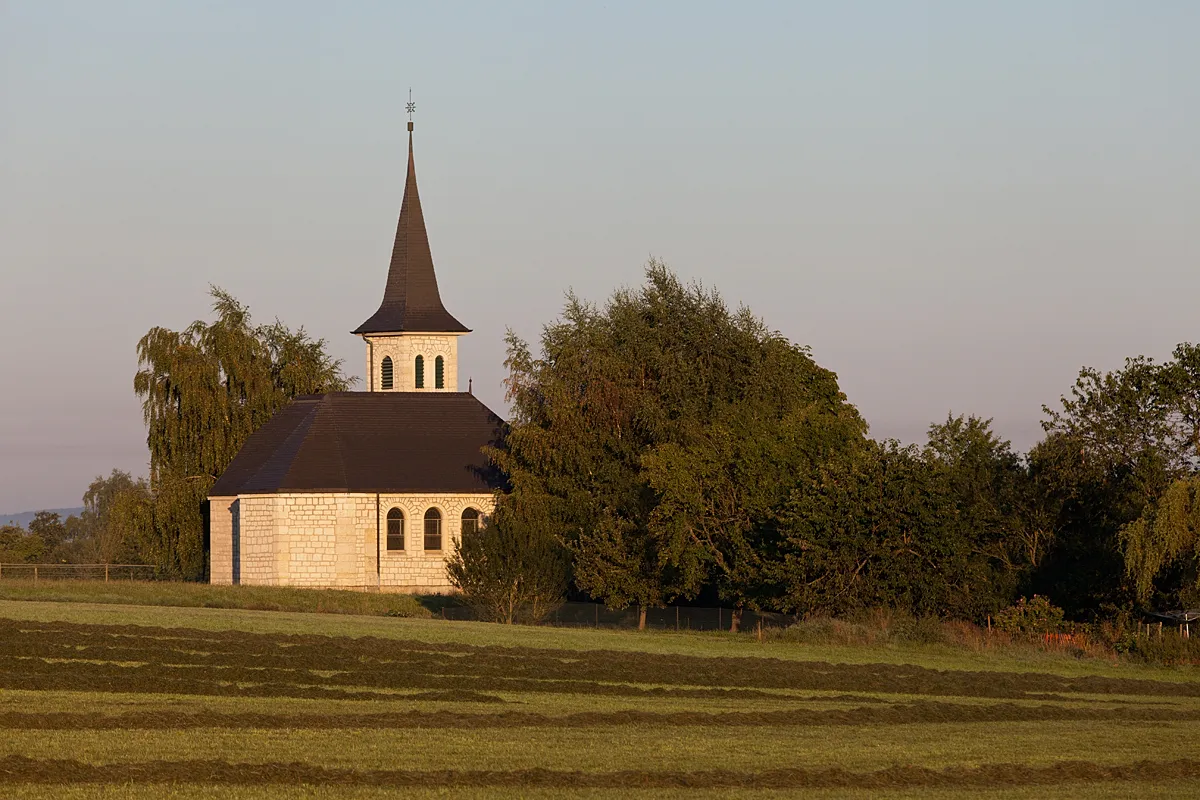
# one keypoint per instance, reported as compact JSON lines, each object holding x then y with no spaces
{"x":956,"y":204}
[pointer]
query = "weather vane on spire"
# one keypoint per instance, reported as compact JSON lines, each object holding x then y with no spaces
{"x":411,"y":108}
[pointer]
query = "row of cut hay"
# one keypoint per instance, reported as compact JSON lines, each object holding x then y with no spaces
{"x":19,"y":769}
{"x":66,"y":655}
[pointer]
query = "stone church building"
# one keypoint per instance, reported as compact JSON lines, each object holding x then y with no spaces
{"x":367,"y":490}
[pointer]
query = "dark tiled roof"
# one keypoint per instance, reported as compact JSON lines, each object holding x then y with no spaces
{"x":411,"y":301}
{"x":369,"y":442}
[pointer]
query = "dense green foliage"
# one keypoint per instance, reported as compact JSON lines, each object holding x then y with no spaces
{"x":204,"y":390}
{"x":664,"y":431}
{"x":687,"y":451}
{"x":93,"y":537}
{"x":1122,"y":444}
{"x":1032,"y":615}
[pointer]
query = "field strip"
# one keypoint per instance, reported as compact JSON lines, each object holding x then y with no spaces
{"x":901,"y":714}
{"x":19,"y":769}
{"x":65,"y":656}
{"x":570,"y":642}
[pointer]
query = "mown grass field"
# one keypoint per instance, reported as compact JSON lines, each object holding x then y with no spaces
{"x":105,"y":700}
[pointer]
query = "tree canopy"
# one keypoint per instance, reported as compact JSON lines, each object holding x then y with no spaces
{"x":204,"y":390}
{"x":665,"y":430}
{"x":682,"y":449}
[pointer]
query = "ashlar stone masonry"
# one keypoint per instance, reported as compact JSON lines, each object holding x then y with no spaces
{"x":336,"y":540}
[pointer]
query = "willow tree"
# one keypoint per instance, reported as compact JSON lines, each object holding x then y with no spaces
{"x":204,"y":390}
{"x":1166,"y":539}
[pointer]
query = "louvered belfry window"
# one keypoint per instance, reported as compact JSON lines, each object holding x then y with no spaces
{"x":385,"y":369}
{"x":395,"y":529}
{"x":439,"y":373}
{"x":433,"y":529}
{"x":420,"y":372}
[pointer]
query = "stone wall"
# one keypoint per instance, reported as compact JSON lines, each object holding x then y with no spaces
{"x":262,"y":540}
{"x":332,"y":540}
{"x":221,"y":513}
{"x":414,"y":566}
{"x":403,"y":350}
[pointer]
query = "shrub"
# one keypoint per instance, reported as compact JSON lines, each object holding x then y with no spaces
{"x":875,"y":627}
{"x":1036,"y":615}
{"x":513,"y":569}
{"x":1170,"y":649}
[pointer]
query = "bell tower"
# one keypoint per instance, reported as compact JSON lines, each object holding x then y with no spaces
{"x":412,"y":340}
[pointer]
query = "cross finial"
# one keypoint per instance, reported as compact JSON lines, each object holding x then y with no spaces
{"x":411,"y":108}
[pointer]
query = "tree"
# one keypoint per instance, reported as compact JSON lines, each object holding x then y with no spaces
{"x":204,"y":390}
{"x":105,"y":540}
{"x":668,"y":429}
{"x":1165,"y":540}
{"x":49,"y":528}
{"x":1123,"y":421}
{"x":1005,"y":520}
{"x":20,"y":547}
{"x":514,"y":567}
{"x":1117,"y":446}
{"x":722,"y":480}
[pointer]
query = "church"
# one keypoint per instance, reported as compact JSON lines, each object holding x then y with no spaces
{"x":367,"y":490}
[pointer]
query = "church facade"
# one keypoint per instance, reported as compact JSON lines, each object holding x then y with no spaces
{"x":367,"y":490}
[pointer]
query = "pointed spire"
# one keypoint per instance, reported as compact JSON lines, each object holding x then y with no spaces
{"x":411,"y":302}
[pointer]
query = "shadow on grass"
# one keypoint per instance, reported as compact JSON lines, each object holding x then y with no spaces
{"x":434,"y":603}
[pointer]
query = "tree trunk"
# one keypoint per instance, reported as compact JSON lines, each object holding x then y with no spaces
{"x":735,"y":620}
{"x":641,"y":618}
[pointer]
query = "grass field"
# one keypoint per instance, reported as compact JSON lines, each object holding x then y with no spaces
{"x":203,"y":595}
{"x":107,"y":700}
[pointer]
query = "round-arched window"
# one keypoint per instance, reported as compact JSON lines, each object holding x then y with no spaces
{"x":439,"y":373}
{"x":395,"y":529}
{"x":419,"y":372}
{"x":470,"y":522}
{"x":433,"y":529}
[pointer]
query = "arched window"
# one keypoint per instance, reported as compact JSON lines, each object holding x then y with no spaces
{"x":433,"y":529}
{"x":385,"y":378}
{"x":470,"y":522}
{"x":439,"y":373}
{"x":395,"y":529}
{"x":420,"y":372}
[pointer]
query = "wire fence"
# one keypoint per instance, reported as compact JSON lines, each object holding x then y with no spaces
{"x":92,"y":572}
{"x":674,"y":618}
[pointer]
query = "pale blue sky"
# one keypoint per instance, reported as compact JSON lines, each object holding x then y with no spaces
{"x":955,"y":204}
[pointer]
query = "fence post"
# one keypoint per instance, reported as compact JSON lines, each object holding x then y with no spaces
{"x":106,"y":573}
{"x":35,"y":574}
{"x":720,"y":624}
{"x":676,"y":619}
{"x":597,"y":607}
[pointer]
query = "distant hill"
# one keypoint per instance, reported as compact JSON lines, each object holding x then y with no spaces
{"x":25,"y":517}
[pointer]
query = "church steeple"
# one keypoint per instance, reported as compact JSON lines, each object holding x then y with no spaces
{"x":411,"y":302}
{"x":412,"y":340}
